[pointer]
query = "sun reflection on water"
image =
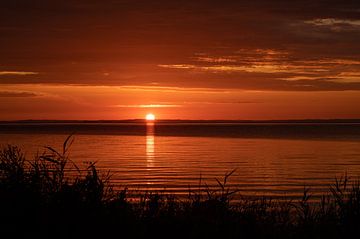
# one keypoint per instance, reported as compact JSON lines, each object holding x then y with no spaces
{"x":150,"y":144}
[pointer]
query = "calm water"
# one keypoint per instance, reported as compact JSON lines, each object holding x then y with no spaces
{"x":270,"y":159}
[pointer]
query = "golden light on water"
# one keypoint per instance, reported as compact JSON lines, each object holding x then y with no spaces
{"x":150,"y":141}
{"x":150,"y":117}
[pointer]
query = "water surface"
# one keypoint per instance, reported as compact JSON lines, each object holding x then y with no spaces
{"x":278,"y":160}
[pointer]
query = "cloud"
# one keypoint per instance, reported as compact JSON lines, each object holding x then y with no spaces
{"x":272,"y":63}
{"x":326,"y":27}
{"x":18,"y":94}
{"x":255,"y":68}
{"x":149,"y":106}
{"x":222,"y":103}
{"x":177,"y":66}
{"x":214,"y":59}
{"x":18,"y":73}
{"x":334,"y":23}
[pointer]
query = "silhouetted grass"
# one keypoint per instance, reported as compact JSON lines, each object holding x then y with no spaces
{"x":51,"y":197}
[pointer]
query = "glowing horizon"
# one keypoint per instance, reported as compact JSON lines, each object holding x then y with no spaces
{"x":261,"y":60}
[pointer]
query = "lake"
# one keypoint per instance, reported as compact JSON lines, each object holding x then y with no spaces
{"x":273,"y":159}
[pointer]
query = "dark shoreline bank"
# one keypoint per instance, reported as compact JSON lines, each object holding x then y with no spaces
{"x":280,"y":130}
{"x":320,"y":121}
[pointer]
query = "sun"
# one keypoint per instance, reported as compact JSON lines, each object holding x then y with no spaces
{"x":150,"y":117}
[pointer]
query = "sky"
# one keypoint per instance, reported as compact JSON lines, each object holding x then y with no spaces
{"x":258,"y":59}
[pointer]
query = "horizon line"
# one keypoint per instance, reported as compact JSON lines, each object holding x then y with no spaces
{"x":159,"y":120}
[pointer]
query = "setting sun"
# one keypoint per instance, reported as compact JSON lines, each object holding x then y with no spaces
{"x":150,"y":117}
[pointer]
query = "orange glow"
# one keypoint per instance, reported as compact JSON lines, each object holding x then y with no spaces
{"x":106,"y":67}
{"x":150,"y":117}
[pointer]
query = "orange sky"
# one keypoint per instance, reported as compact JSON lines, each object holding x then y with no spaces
{"x":179,"y":60}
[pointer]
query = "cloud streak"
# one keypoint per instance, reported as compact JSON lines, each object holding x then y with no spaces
{"x":148,"y":106}
{"x":335,"y":24}
{"x":17,"y":73}
{"x":22,"y":94}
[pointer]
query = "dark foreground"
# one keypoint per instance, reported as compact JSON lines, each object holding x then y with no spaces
{"x":50,"y":197}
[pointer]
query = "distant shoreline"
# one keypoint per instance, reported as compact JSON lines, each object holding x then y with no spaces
{"x":290,"y":121}
{"x":299,"y":129}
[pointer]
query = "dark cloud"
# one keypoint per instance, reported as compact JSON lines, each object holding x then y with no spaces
{"x":259,"y":44}
{"x":17,"y":94}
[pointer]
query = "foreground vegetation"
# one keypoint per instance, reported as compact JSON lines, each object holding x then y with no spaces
{"x":50,"y":197}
